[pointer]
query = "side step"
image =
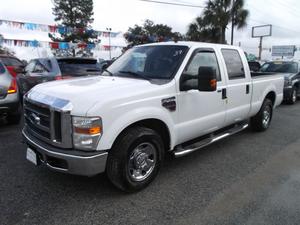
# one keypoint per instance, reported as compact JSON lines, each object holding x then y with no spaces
{"x":184,"y":150}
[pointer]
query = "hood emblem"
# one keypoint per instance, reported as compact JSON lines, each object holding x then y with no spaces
{"x":35,"y":118}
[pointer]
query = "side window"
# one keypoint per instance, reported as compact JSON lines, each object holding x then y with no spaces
{"x":39,"y":68}
{"x":30,"y":67}
{"x":205,"y":58}
{"x":15,"y":62}
{"x":234,"y":65}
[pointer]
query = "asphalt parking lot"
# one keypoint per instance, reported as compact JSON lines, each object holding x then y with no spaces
{"x":249,"y":178}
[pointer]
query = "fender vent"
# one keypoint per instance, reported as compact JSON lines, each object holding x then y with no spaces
{"x":169,"y":103}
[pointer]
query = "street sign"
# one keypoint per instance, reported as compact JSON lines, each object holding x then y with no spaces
{"x":261,"y":32}
{"x":284,"y":50}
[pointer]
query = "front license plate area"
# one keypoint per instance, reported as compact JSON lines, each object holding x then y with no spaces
{"x":31,"y":156}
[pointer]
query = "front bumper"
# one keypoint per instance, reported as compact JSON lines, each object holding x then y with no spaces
{"x":10,"y":104}
{"x":67,"y":161}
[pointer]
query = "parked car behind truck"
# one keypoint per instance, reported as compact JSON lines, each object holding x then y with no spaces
{"x":291,"y":71}
{"x":9,"y":96}
{"x":154,"y":99}
{"x":48,"y":69}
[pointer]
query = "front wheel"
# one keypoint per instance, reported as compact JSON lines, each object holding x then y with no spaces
{"x":293,"y":98}
{"x":261,"y":121}
{"x":135,"y":159}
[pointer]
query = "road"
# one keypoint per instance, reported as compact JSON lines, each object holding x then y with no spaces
{"x":249,"y":178}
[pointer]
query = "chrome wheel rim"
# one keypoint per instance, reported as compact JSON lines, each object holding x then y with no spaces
{"x":142,"y":161}
{"x":266,"y":116}
{"x":294,"y":97}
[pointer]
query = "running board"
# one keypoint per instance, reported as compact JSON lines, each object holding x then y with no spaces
{"x":182,"y":151}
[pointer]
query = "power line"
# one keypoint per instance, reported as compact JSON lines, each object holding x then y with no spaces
{"x":172,"y":3}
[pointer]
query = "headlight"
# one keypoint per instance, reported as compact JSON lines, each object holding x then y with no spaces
{"x":86,"y":132}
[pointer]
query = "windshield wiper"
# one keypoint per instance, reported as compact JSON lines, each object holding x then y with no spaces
{"x":135,"y":74}
{"x":110,"y":73}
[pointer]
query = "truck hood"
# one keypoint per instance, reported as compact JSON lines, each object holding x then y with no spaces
{"x":81,"y":94}
{"x":289,"y":75}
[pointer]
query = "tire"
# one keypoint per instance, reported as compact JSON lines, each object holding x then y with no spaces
{"x":261,"y":121}
{"x":127,"y":159}
{"x":293,"y":98}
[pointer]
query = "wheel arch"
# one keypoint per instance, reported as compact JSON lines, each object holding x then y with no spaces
{"x":155,"y":124}
{"x":271,"y":96}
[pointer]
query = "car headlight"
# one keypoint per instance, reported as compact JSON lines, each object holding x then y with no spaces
{"x":87,"y":132}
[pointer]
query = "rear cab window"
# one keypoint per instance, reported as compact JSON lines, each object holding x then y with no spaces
{"x":8,"y":61}
{"x":79,"y":67}
{"x":280,"y":67}
{"x":234,"y":64}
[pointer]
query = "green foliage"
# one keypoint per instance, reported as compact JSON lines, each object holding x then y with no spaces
{"x":212,"y":24}
{"x":74,"y":14}
{"x":150,"y":32}
{"x":5,"y":50}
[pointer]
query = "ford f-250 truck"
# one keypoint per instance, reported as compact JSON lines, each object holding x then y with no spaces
{"x":156,"y":98}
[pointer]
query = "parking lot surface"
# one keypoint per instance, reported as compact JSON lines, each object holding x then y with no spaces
{"x":248,"y":178}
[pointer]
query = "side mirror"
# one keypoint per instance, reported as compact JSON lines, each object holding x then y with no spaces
{"x":105,"y":66}
{"x":207,"y":79}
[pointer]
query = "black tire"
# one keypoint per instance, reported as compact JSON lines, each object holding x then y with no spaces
{"x":118,"y":163}
{"x":293,"y":98}
{"x":258,"y":122}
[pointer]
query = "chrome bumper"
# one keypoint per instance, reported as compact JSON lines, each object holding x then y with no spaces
{"x":67,"y":161}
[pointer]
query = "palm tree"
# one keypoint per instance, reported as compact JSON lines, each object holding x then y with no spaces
{"x":212,"y":24}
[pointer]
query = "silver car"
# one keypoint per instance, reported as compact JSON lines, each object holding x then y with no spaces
{"x":9,"y":96}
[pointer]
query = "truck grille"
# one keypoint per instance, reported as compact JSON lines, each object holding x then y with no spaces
{"x":47,"y":124}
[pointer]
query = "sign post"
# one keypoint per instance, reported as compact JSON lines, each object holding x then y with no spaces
{"x":260,"y":32}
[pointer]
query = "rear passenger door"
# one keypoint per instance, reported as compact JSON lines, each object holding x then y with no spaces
{"x":238,"y":91}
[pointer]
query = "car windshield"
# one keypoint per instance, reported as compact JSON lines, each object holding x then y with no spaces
{"x":149,"y":62}
{"x":79,"y":67}
{"x":280,"y":67}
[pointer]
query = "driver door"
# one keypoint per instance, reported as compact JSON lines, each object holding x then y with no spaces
{"x":201,"y":113}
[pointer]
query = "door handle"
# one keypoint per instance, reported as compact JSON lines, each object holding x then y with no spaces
{"x":224,"y":93}
{"x":247,"y":89}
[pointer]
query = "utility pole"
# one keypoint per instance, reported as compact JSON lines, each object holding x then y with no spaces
{"x":109,"y":31}
{"x":260,"y":48}
{"x":232,"y":20}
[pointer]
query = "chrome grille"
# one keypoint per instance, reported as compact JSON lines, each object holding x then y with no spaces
{"x":48,"y":124}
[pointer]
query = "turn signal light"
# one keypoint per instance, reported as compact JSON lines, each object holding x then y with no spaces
{"x":213,"y":83}
{"x":90,"y":131}
{"x":13,"y":87}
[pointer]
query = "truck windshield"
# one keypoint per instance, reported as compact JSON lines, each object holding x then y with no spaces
{"x":280,"y":67}
{"x":149,"y":62}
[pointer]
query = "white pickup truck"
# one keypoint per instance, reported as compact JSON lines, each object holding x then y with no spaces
{"x":156,"y":98}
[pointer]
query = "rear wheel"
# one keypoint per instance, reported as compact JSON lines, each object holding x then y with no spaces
{"x":261,"y":121}
{"x":135,"y":159}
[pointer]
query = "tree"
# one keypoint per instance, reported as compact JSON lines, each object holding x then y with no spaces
{"x":77,"y":15}
{"x":150,"y":32}
{"x":5,"y":50}
{"x":211,"y":25}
